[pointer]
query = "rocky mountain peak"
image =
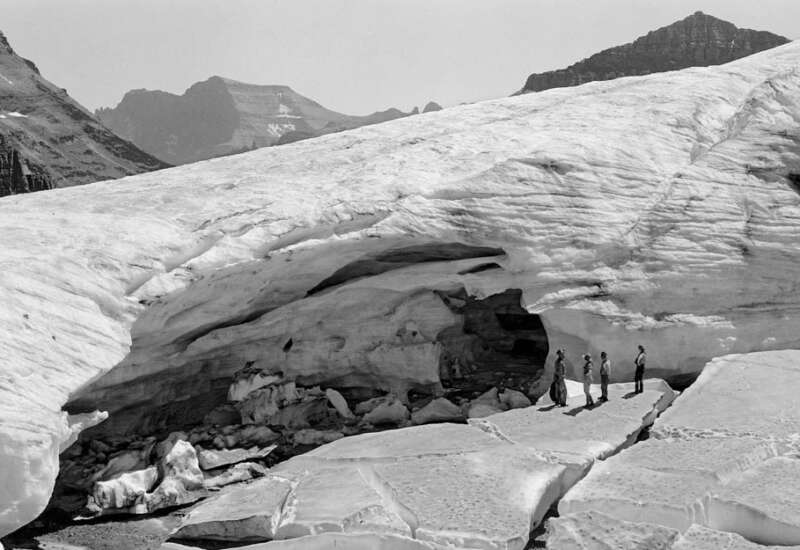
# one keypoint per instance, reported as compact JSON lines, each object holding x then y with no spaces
{"x":221,"y":116}
{"x":49,"y":140}
{"x":698,"y":40}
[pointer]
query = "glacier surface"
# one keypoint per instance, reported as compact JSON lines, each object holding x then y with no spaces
{"x":129,"y":295}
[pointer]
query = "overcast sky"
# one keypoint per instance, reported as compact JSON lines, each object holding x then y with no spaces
{"x":353,"y":56}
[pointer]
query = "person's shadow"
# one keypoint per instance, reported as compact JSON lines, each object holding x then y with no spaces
{"x":548,"y":408}
{"x":629,"y":395}
{"x":577,"y":410}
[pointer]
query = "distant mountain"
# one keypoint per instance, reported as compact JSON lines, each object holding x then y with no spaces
{"x":432,"y":106}
{"x":696,"y":41}
{"x":220,"y":116}
{"x":49,"y":140}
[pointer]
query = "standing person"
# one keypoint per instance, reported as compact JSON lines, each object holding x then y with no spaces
{"x":558,"y":389}
{"x":588,"y":379}
{"x":638,"y":379}
{"x":605,"y":371}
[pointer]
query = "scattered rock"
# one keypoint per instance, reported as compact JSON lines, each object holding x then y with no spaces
{"x":438,"y":410}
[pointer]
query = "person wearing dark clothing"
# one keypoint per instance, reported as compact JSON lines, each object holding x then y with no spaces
{"x":558,"y":389}
{"x":605,"y":372}
{"x":638,"y":379}
{"x":588,"y":379}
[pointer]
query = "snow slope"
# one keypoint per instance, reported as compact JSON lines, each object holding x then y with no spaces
{"x":693,"y":249}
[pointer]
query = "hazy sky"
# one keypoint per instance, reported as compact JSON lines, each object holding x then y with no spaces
{"x":354,"y":56}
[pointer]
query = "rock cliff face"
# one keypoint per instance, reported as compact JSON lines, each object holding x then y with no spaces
{"x":220,"y":117}
{"x":48,"y":140}
{"x":699,"y":40}
{"x":407,"y":256}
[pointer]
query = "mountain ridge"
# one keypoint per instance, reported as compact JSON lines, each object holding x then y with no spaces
{"x":47,"y":139}
{"x":221,"y":116}
{"x":698,"y":40}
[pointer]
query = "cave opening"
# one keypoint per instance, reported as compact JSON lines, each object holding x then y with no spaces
{"x":497,"y":344}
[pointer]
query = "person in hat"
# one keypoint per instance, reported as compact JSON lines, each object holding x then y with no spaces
{"x":588,"y":379}
{"x":605,"y":372}
{"x":638,"y":379}
{"x":558,"y":389}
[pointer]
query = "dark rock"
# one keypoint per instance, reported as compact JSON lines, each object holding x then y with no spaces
{"x":699,"y":40}
{"x":431,"y":107}
{"x":48,"y":140}
{"x":219,"y":117}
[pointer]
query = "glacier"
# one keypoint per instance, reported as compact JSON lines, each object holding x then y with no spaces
{"x":143,"y":297}
{"x":723,"y":458}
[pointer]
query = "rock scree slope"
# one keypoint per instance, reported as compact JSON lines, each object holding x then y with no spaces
{"x":48,"y":140}
{"x":696,"y":41}
{"x":167,"y":284}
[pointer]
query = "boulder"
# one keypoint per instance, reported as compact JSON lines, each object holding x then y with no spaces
{"x":124,"y":490}
{"x":438,"y":410}
{"x":365,"y":407}
{"x":392,"y":412}
{"x":338,"y":402}
{"x":513,"y":399}
{"x":260,"y":436}
{"x":127,"y":461}
{"x":181,"y":465}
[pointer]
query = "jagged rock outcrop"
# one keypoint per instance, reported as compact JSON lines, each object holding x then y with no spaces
{"x":699,"y":40}
{"x":415,"y":257}
{"x":220,"y":116}
{"x":724,"y":457}
{"x":48,"y":140}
